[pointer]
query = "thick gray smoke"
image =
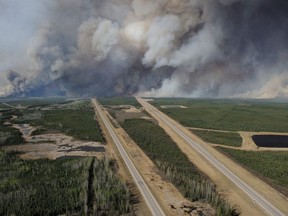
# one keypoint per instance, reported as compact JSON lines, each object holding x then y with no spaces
{"x":192,"y":48}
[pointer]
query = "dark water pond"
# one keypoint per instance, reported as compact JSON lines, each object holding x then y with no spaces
{"x":84,"y":148}
{"x":67,"y":157}
{"x":91,"y":149}
{"x":272,"y":141}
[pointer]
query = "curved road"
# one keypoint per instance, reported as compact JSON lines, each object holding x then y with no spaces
{"x":145,"y":191}
{"x":256,"y":197}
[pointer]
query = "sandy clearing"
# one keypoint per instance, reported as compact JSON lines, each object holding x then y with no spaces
{"x":203,"y":129}
{"x":235,"y":196}
{"x":133,"y":109}
{"x":173,"y":106}
{"x":53,"y":146}
{"x":49,"y":151}
{"x":25,"y":129}
{"x":146,"y":118}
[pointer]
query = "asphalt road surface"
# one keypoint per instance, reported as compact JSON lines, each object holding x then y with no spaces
{"x":143,"y":188}
{"x":256,"y":197}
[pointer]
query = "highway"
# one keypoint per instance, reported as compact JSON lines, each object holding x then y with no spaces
{"x":6,"y":104}
{"x":142,"y":186}
{"x":255,"y":196}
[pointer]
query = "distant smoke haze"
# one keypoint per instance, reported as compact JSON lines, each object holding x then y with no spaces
{"x":191,"y":48}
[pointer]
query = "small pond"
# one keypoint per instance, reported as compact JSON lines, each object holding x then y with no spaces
{"x":271,"y":141}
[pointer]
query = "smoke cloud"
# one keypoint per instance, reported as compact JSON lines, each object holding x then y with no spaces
{"x":191,"y":48}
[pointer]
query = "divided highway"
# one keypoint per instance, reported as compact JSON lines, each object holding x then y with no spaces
{"x":143,"y":188}
{"x":255,"y":196}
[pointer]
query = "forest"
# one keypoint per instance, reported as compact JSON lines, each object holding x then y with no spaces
{"x":8,"y":134}
{"x":175,"y":165}
{"x":67,"y":185}
{"x":228,"y":115}
{"x":63,"y":186}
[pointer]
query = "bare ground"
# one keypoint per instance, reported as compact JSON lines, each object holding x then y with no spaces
{"x":173,"y":106}
{"x":53,"y":146}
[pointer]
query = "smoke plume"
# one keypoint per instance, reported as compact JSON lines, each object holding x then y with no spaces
{"x":191,"y":48}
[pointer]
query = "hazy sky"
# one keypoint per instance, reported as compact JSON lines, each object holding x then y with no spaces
{"x":192,"y":48}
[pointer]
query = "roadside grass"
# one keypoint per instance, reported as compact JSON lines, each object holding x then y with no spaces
{"x":223,"y":138}
{"x":46,"y":187}
{"x":117,"y":101}
{"x":230,"y":115}
{"x":175,"y":165}
{"x":271,"y":167}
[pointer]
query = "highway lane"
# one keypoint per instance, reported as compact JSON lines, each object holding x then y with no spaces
{"x":6,"y":104}
{"x":255,"y":196}
{"x":143,"y":188}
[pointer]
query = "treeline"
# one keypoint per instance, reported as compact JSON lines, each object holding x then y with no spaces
{"x":44,"y":187}
{"x":8,"y":134}
{"x":175,"y":165}
{"x":111,"y":195}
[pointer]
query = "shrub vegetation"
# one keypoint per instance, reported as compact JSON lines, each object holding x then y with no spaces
{"x":10,"y":136}
{"x":63,"y":186}
{"x":80,"y":124}
{"x":223,"y":138}
{"x":174,"y":164}
{"x":77,"y":121}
